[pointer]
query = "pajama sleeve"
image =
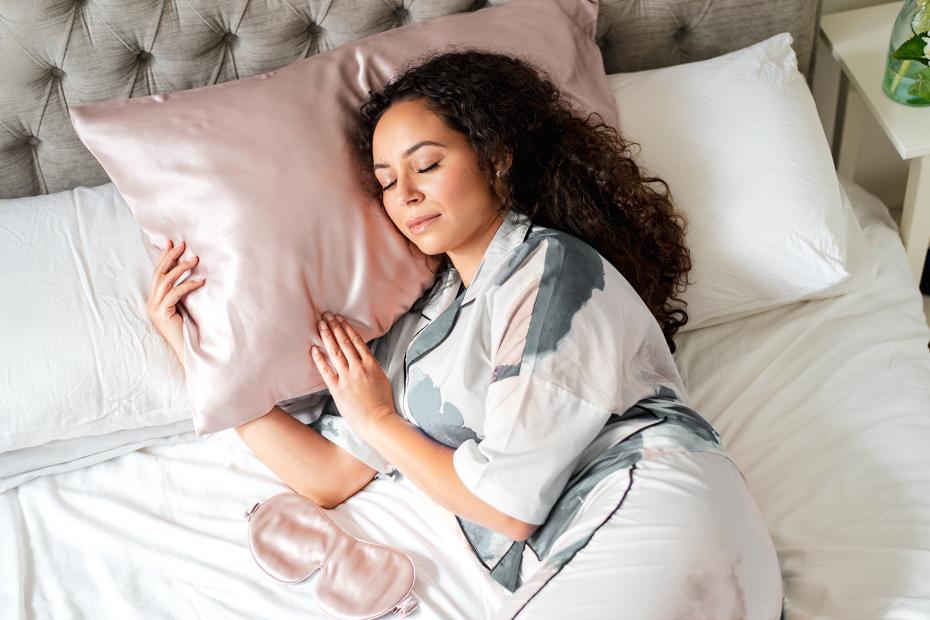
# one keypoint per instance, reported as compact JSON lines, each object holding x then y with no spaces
{"x":542,"y":407}
{"x":535,"y":432}
{"x":319,"y":412}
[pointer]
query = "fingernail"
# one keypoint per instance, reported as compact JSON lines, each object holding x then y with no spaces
{"x":339,"y":318}
{"x":323,"y":325}
{"x":328,"y":316}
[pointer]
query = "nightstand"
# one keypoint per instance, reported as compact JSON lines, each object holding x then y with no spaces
{"x":858,"y":40}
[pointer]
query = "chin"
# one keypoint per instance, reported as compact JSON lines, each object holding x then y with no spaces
{"x":429,"y":244}
{"x":430,"y":249}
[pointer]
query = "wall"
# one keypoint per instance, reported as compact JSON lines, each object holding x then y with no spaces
{"x":879,"y":168}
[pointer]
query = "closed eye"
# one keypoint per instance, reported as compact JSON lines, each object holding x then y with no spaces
{"x":427,"y":169}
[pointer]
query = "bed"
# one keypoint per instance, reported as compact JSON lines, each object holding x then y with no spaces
{"x":824,"y":404}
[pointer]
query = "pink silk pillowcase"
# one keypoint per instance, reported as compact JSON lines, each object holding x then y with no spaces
{"x":259,"y":178}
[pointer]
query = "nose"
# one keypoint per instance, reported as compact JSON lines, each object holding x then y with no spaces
{"x":407,"y":191}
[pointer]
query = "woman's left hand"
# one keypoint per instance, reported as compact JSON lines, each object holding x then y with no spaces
{"x":356,"y":381}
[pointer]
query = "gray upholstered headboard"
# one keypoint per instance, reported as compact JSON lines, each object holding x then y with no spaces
{"x":59,"y":52}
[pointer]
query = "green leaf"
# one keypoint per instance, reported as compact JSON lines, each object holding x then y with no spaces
{"x":912,"y":49}
{"x":921,"y":85}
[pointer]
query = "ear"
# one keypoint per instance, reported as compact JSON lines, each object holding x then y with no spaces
{"x":504,"y":160}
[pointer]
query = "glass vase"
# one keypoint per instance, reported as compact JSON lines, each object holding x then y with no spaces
{"x":908,"y":81}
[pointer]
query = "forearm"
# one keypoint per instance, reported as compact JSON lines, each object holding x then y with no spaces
{"x":305,"y":460}
{"x":428,"y":464}
{"x":300,"y":457}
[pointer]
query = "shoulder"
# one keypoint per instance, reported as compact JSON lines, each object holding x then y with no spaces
{"x":545,"y":282}
{"x":554,"y":279}
{"x":561,"y":271}
{"x":562,"y":275}
{"x":559,"y":306}
{"x":555,"y":254}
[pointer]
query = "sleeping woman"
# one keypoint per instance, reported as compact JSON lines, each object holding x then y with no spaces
{"x":532,"y":390}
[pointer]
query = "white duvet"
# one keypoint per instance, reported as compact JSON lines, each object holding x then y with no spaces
{"x":825,"y":405}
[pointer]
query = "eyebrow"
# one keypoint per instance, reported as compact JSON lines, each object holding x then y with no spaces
{"x":409,"y":151}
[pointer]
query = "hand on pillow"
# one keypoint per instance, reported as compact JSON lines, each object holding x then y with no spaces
{"x":259,"y":175}
{"x":164,"y":295}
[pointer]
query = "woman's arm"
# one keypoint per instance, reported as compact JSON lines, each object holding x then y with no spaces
{"x":428,"y":464}
{"x":303,"y":459}
{"x":364,"y":396}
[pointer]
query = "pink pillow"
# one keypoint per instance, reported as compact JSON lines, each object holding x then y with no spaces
{"x":258,"y":177}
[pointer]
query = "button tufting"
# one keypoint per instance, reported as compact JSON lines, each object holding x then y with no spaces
{"x":56,"y":72}
{"x":401,"y":13}
{"x":229,"y":37}
{"x":314,"y":29}
{"x":32,"y":141}
{"x":681,"y":32}
{"x":144,"y":56}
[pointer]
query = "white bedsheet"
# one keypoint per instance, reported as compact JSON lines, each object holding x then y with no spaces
{"x":825,"y":405}
{"x":159,"y":533}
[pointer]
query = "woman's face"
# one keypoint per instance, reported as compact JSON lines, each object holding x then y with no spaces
{"x":427,"y":169}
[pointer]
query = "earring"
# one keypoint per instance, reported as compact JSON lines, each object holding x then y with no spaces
{"x":499,"y":173}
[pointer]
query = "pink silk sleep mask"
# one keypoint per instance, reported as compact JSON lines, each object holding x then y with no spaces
{"x":290,"y":538}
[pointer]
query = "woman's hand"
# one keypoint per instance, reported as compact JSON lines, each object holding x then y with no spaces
{"x":164,"y":296}
{"x":358,"y":385}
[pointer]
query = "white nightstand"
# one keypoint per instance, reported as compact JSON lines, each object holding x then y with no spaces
{"x":858,"y":40}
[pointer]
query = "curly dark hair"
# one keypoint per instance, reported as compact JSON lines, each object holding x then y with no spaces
{"x":568,"y":172}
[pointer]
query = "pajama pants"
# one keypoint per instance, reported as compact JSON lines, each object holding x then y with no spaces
{"x":674,"y":536}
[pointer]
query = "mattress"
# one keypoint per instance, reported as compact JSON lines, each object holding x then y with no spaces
{"x":824,"y":405}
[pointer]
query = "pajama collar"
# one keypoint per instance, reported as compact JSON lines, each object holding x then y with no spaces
{"x":442,"y":311}
{"x":511,"y":233}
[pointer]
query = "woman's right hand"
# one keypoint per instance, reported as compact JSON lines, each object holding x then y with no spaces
{"x":164,"y":296}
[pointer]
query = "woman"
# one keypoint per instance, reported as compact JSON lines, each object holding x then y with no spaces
{"x":532,"y":391}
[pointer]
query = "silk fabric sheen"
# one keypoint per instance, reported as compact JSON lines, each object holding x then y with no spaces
{"x":291,"y":538}
{"x":258,"y":177}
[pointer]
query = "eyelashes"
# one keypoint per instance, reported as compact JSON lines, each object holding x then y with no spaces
{"x":427,"y":169}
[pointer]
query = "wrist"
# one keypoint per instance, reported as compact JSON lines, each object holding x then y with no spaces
{"x":179,"y":352}
{"x":379,"y":425}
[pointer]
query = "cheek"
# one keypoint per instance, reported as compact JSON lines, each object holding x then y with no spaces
{"x":396,"y":215}
{"x":457,"y":184}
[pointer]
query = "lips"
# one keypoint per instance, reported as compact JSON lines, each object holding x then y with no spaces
{"x":420,"y":219}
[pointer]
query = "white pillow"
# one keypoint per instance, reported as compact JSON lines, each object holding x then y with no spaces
{"x":80,"y":357}
{"x":739,"y":142}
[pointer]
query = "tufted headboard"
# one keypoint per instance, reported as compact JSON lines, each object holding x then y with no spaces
{"x":55,"y":53}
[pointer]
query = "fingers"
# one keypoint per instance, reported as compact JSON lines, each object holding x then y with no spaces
{"x":360,"y":347}
{"x":157,"y":290}
{"x":181,"y":267}
{"x":329,"y":376}
{"x":340,"y":359}
{"x":164,"y":294}
{"x":168,"y":256}
{"x":337,"y":327}
{"x":175,"y":294}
